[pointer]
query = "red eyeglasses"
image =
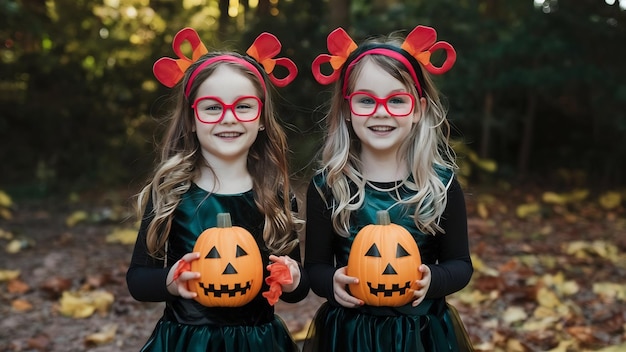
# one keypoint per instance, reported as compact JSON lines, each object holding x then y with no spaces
{"x":396,"y":104}
{"x":211,"y":109}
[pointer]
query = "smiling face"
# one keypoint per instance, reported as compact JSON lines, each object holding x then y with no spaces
{"x":228,"y":139}
{"x":380,"y":133}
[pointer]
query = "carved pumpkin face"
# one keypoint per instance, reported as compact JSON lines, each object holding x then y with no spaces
{"x":230,"y":266}
{"x":385,"y":258}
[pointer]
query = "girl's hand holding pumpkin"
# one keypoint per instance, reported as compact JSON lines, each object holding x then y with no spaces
{"x":179,"y":274}
{"x":294,"y":269}
{"x":423,"y":284}
{"x":340,"y":282}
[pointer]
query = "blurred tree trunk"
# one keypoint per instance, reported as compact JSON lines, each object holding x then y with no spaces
{"x":263,"y":8}
{"x":222,"y":30}
{"x":527,"y":133}
{"x":486,"y":124}
{"x":490,"y":12}
{"x":339,"y":13}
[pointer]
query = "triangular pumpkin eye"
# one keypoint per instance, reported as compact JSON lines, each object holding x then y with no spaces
{"x":373,"y":251}
{"x":213,"y":253}
{"x":401,"y":252}
{"x":240,"y":252}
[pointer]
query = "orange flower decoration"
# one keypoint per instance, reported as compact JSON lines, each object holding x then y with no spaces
{"x":340,"y":45}
{"x":169,"y":71}
{"x":263,"y":50}
{"x":422,"y":42}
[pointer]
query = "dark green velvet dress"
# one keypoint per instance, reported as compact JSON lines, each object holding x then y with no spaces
{"x":189,"y":326}
{"x":428,"y":327}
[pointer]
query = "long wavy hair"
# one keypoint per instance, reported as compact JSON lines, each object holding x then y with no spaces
{"x":181,"y":160}
{"x":426,"y":147}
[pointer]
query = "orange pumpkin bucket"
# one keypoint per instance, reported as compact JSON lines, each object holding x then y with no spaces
{"x":230,"y":266}
{"x":385,"y":258}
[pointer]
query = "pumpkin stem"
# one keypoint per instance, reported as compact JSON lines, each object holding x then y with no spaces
{"x":223,"y":220}
{"x":382,"y":217}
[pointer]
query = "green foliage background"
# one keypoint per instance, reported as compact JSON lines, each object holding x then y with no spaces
{"x":537,"y":88}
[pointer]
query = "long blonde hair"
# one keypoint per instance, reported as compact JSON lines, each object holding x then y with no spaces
{"x":181,"y":160}
{"x":426,"y":147}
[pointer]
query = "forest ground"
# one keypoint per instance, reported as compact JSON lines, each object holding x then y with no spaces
{"x":550,"y":275}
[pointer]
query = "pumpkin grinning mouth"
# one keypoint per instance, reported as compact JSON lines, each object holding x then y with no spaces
{"x":388,"y":292}
{"x":224,"y":290}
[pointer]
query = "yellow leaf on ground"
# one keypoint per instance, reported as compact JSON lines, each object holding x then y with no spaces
{"x":563,"y":346}
{"x":610,"y":200}
{"x":545,"y":323}
{"x":514,"y":314}
{"x":514,"y":345}
{"x":547,"y":298}
{"x":610,"y":289}
{"x":301,"y":335}
{"x":5,"y":200}
{"x":480,"y":267}
{"x":84,"y":304}
{"x":554,"y":198}
{"x":525,"y":210}
{"x":76,"y":217}
{"x":14,"y":246}
{"x":6,"y":275}
{"x":616,"y":348}
{"x":105,"y":335}
{"x":6,"y":235}
{"x":585,"y":249}
{"x":123,"y":236}
{"x":482,"y":210}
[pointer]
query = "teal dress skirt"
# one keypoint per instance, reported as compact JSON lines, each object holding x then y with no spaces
{"x":189,"y":326}
{"x":433,"y":325}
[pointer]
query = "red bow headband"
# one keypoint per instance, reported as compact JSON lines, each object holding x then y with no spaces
{"x":170,"y":71}
{"x":416,"y":49}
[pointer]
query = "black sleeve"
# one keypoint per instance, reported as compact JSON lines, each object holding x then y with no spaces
{"x":454,"y":267}
{"x":146,"y":275}
{"x":319,"y":260}
{"x":303,"y":287}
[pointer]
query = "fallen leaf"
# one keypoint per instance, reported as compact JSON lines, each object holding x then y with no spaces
{"x":123,"y":236}
{"x":514,"y":314}
{"x":6,"y":275}
{"x":105,"y":335}
{"x":6,"y":214}
{"x":583,"y":334}
{"x":482,"y":210}
{"x":610,"y":289}
{"x":6,"y":235}
{"x":5,"y":200}
{"x":21,"y":305}
{"x":55,"y":285}
{"x":76,"y":217}
{"x":554,"y":198}
{"x":610,"y":200}
{"x":40,"y":342}
{"x":301,"y":335}
{"x":525,"y":210}
{"x":83,"y":304}
{"x":547,"y":298}
{"x":564,"y":346}
{"x":17,"y":286}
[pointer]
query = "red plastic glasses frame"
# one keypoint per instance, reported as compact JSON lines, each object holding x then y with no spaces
{"x":232,"y":107}
{"x":384,"y":101}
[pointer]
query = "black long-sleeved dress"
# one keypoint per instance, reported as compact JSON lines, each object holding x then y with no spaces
{"x":427,"y":327}
{"x":187,"y":325}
